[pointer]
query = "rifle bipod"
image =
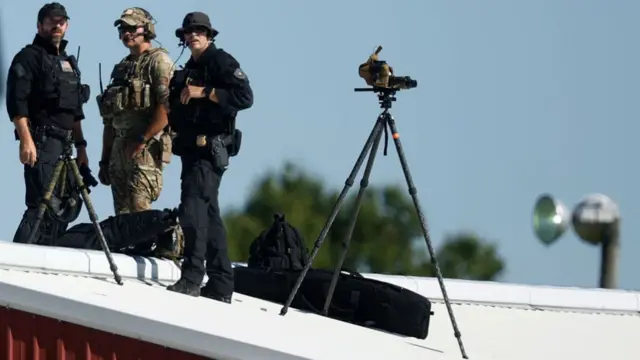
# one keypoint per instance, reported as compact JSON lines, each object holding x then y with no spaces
{"x":67,"y":160}
{"x":384,"y":123}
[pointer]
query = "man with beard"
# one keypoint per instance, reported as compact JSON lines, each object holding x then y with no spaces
{"x":205,"y":99}
{"x":136,"y":139}
{"x":44,"y":101}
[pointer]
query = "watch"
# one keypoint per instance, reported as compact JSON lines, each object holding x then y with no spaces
{"x":81,"y":143}
{"x":207,"y":91}
{"x":140,"y":138}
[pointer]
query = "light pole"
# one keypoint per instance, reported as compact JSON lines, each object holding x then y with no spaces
{"x":595,"y":219}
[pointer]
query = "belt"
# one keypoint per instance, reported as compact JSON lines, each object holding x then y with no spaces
{"x":53,"y":131}
{"x":202,"y":140}
{"x":121,"y":132}
{"x":124,"y":133}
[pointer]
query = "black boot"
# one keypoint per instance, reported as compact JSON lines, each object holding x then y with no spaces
{"x":186,"y":287}
{"x":208,"y":293}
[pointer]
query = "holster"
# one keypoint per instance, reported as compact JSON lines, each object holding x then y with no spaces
{"x":218,"y":147}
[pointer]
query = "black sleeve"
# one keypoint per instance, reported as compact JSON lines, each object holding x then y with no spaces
{"x":236,"y":93}
{"x":20,"y":82}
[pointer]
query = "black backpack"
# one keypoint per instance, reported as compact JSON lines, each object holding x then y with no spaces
{"x":280,"y":247}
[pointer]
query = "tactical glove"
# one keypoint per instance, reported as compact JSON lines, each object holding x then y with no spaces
{"x":103,"y":174}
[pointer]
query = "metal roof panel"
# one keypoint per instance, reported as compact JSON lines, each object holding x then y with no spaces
{"x":497,"y":320}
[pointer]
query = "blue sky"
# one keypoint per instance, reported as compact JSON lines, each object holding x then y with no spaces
{"x":514,"y":98}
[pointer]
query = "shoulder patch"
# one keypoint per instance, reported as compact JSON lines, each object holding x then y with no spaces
{"x":239,"y":74}
{"x":66,"y":66}
{"x":18,"y":70}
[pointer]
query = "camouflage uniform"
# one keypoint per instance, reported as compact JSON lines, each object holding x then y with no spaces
{"x":137,"y":86}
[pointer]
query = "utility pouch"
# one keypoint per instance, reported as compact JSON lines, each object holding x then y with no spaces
{"x":124,"y":97}
{"x":136,"y":98}
{"x":146,"y":96}
{"x":234,"y":147}
{"x":85,"y":93}
{"x":69,"y":95}
{"x":111,"y":101}
{"x":102,"y":106}
{"x":219,"y":152}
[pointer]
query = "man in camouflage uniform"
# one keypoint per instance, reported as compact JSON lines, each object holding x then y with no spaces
{"x":136,"y":139}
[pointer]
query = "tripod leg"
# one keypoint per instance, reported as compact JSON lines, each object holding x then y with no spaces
{"x":376,"y":132}
{"x":352,"y":223}
{"x":94,"y":219}
{"x":42,"y":208}
{"x":413,"y":192}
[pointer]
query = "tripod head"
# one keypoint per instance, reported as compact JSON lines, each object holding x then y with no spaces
{"x":88,"y":179}
{"x":386,"y":96}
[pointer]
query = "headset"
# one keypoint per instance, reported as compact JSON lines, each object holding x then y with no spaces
{"x":149,"y":27}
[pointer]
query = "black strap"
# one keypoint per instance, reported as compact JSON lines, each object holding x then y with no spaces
{"x":54,"y":132}
{"x":347,"y":314}
{"x":280,"y":219}
{"x":74,"y":64}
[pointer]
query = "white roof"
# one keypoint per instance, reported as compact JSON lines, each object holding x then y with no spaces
{"x":497,"y":321}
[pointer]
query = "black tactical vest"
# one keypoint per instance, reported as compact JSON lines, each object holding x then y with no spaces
{"x":199,"y":116}
{"x":60,"y":83}
{"x":185,"y":118}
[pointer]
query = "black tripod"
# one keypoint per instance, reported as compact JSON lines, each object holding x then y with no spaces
{"x":67,"y":160}
{"x":384,"y":123}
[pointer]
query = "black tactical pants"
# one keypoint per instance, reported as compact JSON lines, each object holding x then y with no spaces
{"x":36,"y":180}
{"x":204,"y":233}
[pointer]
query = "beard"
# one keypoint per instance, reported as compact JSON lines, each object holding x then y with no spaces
{"x":130,"y":41}
{"x":54,"y":35}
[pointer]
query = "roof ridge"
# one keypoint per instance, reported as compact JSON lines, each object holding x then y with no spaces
{"x":93,"y":263}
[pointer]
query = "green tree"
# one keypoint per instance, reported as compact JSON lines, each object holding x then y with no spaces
{"x":466,"y":256}
{"x":386,"y":239}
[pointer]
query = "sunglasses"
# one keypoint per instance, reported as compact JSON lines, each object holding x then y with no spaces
{"x":127,"y":29}
{"x":195,"y":29}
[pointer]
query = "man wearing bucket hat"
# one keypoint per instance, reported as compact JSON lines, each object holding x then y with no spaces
{"x":136,"y":139}
{"x":205,"y":99}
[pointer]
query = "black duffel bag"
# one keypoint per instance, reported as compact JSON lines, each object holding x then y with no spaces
{"x":357,"y":300}
{"x":121,"y":231}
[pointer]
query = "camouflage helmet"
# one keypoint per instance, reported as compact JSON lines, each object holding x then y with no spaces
{"x":137,"y":16}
